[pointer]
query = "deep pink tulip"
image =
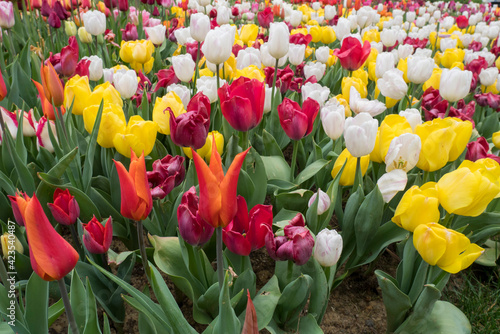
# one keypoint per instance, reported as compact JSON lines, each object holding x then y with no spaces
{"x":54,"y":20}
{"x":479,"y":150}
{"x":167,"y":173}
{"x":247,"y":231}
{"x":298,"y":122}
{"x":65,"y":208}
{"x":96,"y":237}
{"x":352,"y":55}
{"x":265,"y":17}
{"x":69,"y":57}
{"x":130,"y":32}
{"x":193,"y":229}
{"x":242,"y":103}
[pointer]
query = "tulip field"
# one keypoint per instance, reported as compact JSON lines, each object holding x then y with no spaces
{"x":215,"y":166}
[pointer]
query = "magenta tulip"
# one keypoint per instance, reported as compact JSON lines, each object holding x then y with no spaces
{"x":298,"y":122}
{"x":167,"y":174}
{"x":96,"y":237}
{"x":193,"y":229}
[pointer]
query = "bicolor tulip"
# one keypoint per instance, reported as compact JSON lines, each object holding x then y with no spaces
{"x":242,"y":103}
{"x":469,"y":189}
{"x":328,"y":247}
{"x":218,"y":191}
{"x":297,"y":244}
{"x":96,"y":237}
{"x":136,"y":200}
{"x":3,"y":88}
{"x":52,"y":86}
{"x":448,"y":249}
{"x":296,"y":121}
{"x":247,"y":231}
{"x":167,"y":173}
{"x":352,"y":55}
{"x":192,"y":227}
{"x":42,"y":133}
{"x":7,"y":20}
{"x":65,"y":209}
{"x":51,"y":256}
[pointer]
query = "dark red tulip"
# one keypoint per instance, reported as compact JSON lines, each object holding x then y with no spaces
{"x":167,"y":173}
{"x":416,"y":43}
{"x":192,"y":228}
{"x":54,"y":20}
{"x":488,"y":99}
{"x":191,"y":128}
{"x":462,"y":22}
{"x":123,"y":5}
{"x":156,"y":12}
{"x":242,"y":103}
{"x":296,"y":245}
{"x":65,"y":209}
{"x":62,"y":13}
{"x":298,"y":122}
{"x":130,"y":32}
{"x":265,"y":17}
{"x":247,"y":231}
{"x":213,"y":13}
{"x":352,"y":54}
{"x":96,"y":237}
{"x":45,"y":9}
{"x":82,"y":68}
{"x":111,"y":3}
{"x":283,"y":78}
{"x":479,"y":150}
{"x":166,"y":77}
{"x":69,"y":57}
{"x":235,"y":11}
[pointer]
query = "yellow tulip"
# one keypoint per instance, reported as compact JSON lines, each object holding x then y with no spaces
{"x":375,"y":155}
{"x":371,"y":71}
{"x":315,"y":32}
{"x":433,"y":80}
{"x":452,"y":56}
{"x":309,"y":52}
{"x":146,"y":67}
{"x":206,"y":73}
{"x":206,"y":151}
{"x":349,"y":172}
{"x":137,"y":51}
{"x":448,"y":249}
{"x":491,"y":88}
{"x":105,"y":92}
{"x":432,"y":39}
{"x":332,"y":60}
{"x":302,"y":31}
{"x":403,"y":67}
{"x":372,"y":57}
{"x":327,"y":35}
{"x":343,"y":101}
{"x":391,"y":127}
{"x":361,"y":74}
{"x":371,"y":35}
{"x":249,"y":33}
{"x":417,"y":206}
{"x":251,"y":72}
{"x":463,"y":132}
{"x":347,"y":82}
{"x":76,"y":93}
{"x":437,"y":139}
{"x":112,"y":122}
{"x":496,"y":139}
{"x":469,"y":189}
{"x":497,"y":63}
{"x":160,"y":113}
{"x":139,"y":135}
{"x":84,"y":36}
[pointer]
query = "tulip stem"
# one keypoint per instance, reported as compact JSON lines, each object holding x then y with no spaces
{"x":274,"y":83}
{"x":220,"y":261}
{"x":244,"y":138}
{"x":67,"y":306}
{"x":142,"y":248}
{"x":358,"y":178}
{"x":197,"y":70}
{"x":76,"y":240}
{"x":294,"y":159}
{"x":447,"y":110}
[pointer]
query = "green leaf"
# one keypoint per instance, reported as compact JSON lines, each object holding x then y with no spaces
{"x":228,"y":323}
{"x":276,"y":168}
{"x":265,"y":302}
{"x":55,"y":311}
{"x":270,"y":144}
{"x":397,"y":304}
{"x":78,"y":301}
{"x":309,"y":325}
{"x":293,"y":200}
{"x":292,"y":301}
{"x":368,"y":219}
{"x":37,"y":301}
{"x":89,"y":156}
{"x":311,"y":171}
{"x":91,"y":324}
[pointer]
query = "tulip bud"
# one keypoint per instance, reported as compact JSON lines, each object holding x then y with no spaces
{"x":65,"y":208}
{"x":7,"y":20}
{"x":360,"y":133}
{"x":94,"y":22}
{"x":184,"y":67}
{"x":454,"y":84}
{"x":42,"y":134}
{"x":279,"y":40}
{"x":96,"y":237}
{"x":199,"y":26}
{"x":328,"y":247}
{"x":333,"y":119}
{"x":323,"y":202}
{"x":10,"y":243}
{"x":125,"y":83}
{"x":70,"y":28}
{"x":268,"y":99}
{"x":84,"y":36}
{"x":167,"y":173}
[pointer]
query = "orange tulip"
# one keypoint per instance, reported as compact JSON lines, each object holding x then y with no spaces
{"x":218,"y":192}
{"x":3,"y":88}
{"x":51,"y":256}
{"x":135,"y":193}
{"x":47,"y":107}
{"x":52,"y":86}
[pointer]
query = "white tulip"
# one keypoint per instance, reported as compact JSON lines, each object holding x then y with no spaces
{"x":267,"y":59}
{"x":182,"y":35}
{"x":218,"y":44}
{"x":182,"y":91}
{"x":403,"y":152}
{"x":391,"y":183}
{"x":322,"y":54}
{"x":454,"y":84}
{"x":360,"y":133}
{"x":94,"y":22}
{"x":316,"y":92}
{"x":488,"y":76}
{"x":208,"y":85}
{"x":126,"y":83}
{"x":413,"y":117}
{"x":317,"y":69}
{"x":279,"y":40}
{"x":199,"y":26}
{"x":184,"y":67}
{"x":296,"y":53}
{"x":247,"y":57}
{"x":328,"y":247}
{"x":359,"y":105}
{"x":156,"y":34}
{"x":393,"y":85}
{"x":333,"y":118}
{"x":223,"y":15}
{"x":95,"y":68}
{"x":384,"y":63}
{"x":419,"y":69}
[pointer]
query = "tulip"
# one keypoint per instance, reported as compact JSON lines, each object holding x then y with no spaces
{"x":352,"y":54}
{"x":279,"y":40}
{"x":52,"y":86}
{"x":298,"y":122}
{"x":223,"y":15}
{"x":364,"y":106}
{"x":70,"y":28}
{"x":488,"y":76}
{"x":69,"y":57}
{"x":455,"y":84}
{"x":208,"y":86}
{"x":296,"y":245}
{"x":51,"y":256}
{"x":392,"y":84}
{"x":65,"y":208}
{"x":182,"y":35}
{"x":322,"y":54}
{"x":247,"y":57}
{"x":267,"y":59}
{"x":218,"y":44}
{"x":10,"y":121}
{"x":360,"y":133}
{"x":462,"y":22}
{"x":448,"y":249}
{"x":295,"y":18}
{"x":391,"y":183}
{"x":328,"y":247}
{"x":242,"y":103}
{"x":96,"y":237}
{"x":112,"y":122}
{"x":76,"y":94}
{"x":7,"y":20}
{"x":168,"y":173}
{"x":199,"y":26}
{"x":468,"y":190}
{"x":130,"y":32}
{"x":349,"y":172}
{"x":419,"y":69}
{"x":384,"y":63}
{"x":247,"y":231}
{"x":296,"y":53}
{"x":136,"y":200}
{"x":192,"y":228}
{"x":107,"y":94}
{"x":125,"y":83}
{"x":18,"y":216}
{"x":190,"y":129}
{"x":42,"y":134}
{"x":10,"y":243}
{"x":161,"y":114}
{"x":413,"y":117}
{"x":206,"y":151}
{"x":391,"y":127}
{"x":479,"y":150}
{"x":184,"y":67}
{"x":403,"y":152}
{"x":94,"y":22}
{"x":314,"y":69}
{"x":138,"y":54}
{"x":139,"y":136}
{"x":265,"y":17}
{"x":218,"y":192}
{"x":333,"y":119}
{"x":84,"y":36}
{"x":316,"y":92}
{"x":156,"y":34}
{"x":3,"y":88}
{"x":323,"y":202}
{"x":496,"y":139}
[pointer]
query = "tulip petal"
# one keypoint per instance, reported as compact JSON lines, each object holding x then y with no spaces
{"x":236,"y":243}
{"x":429,"y":244}
{"x":138,"y":172}
{"x":216,"y":163}
{"x":129,"y":198}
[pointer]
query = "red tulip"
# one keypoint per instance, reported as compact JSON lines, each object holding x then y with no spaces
{"x":166,"y":77}
{"x":51,"y":256}
{"x":96,"y":237}
{"x":69,"y":57}
{"x":123,"y":5}
{"x":488,"y":99}
{"x":297,"y":122}
{"x":54,"y":20}
{"x":65,"y":208}
{"x":283,"y":78}
{"x":191,"y":128}
{"x":242,"y":103}
{"x":3,"y":88}
{"x":265,"y":17}
{"x":167,"y":174}
{"x":296,"y":245}
{"x":479,"y":150}
{"x":300,"y":39}
{"x":352,"y":54}
{"x":193,"y":229}
{"x":136,"y":200}
{"x":82,"y":68}
{"x":247,"y":231}
{"x":462,"y":22}
{"x":218,"y":192}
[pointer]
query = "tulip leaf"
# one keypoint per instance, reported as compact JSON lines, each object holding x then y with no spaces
{"x":145,"y":324}
{"x":105,"y":324}
{"x":368,"y":219}
{"x":20,"y":322}
{"x":78,"y":301}
{"x":292,"y":301}
{"x":271,"y":146}
{"x":489,"y":126}
{"x":276,"y":184}
{"x":310,"y":171}
{"x":490,"y":255}
{"x":245,"y":281}
{"x":283,"y":217}
{"x":309,"y":325}
{"x":293,"y":200}
{"x":397,"y":304}
{"x":91,"y":324}
{"x":145,"y":315}
{"x":37,"y":301}
{"x":55,"y":311}
{"x":228,"y":323}
{"x":89,"y":155}
{"x":6,"y":184}
{"x":276,"y":168}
